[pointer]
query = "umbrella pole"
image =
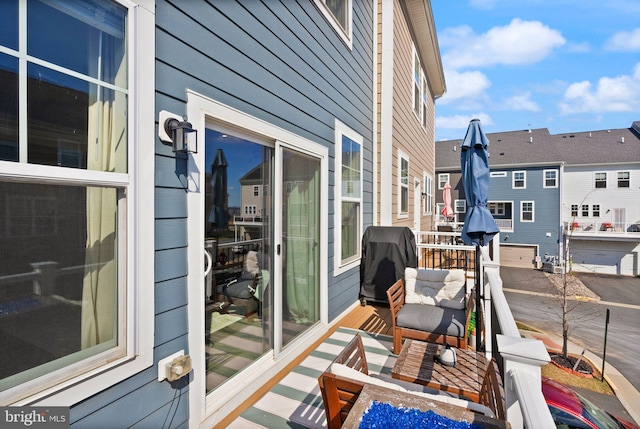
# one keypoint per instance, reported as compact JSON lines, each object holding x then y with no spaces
{"x":478,"y":304}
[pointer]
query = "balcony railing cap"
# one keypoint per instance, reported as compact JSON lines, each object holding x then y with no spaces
{"x":523,"y":350}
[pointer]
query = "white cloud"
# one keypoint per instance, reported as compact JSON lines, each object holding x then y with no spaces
{"x":626,"y":41}
{"x":461,"y":121}
{"x":469,"y":86}
{"x":610,"y":94}
{"x":521,"y":102}
{"x":519,"y":42}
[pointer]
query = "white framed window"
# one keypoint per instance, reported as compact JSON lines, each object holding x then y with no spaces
{"x":403,"y":185}
{"x":497,"y":209}
{"x":519,"y":179}
{"x":574,"y":210}
{"x":87,"y":167}
{"x":600,"y":180}
{"x":595,"y":210}
{"x":550,"y":179}
{"x":428,"y":194}
{"x":425,"y":105}
{"x":585,"y":210}
{"x":256,"y":191}
{"x":417,"y":82}
{"x":527,"y":211}
{"x":498,"y":174}
{"x":443,"y":179}
{"x":623,"y":179}
{"x":339,"y":15}
{"x":349,"y":197}
{"x":460,"y":206}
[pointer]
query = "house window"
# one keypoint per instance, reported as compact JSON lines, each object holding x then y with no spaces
{"x":601,"y":180}
{"x":443,"y":179}
{"x":349,"y":213}
{"x":77,"y":183}
{"x":497,"y":209}
{"x":428,"y":197}
{"x":403,"y":185}
{"x":550,"y":178}
{"x":256,"y":191}
{"x":585,"y":210}
{"x":595,"y":210}
{"x":460,"y":206}
{"x":498,"y":174}
{"x":417,"y":73}
{"x":338,"y":13}
{"x":623,"y":179}
{"x":526,"y":211}
{"x":519,"y":180}
{"x":425,"y":93}
{"x":574,"y":210}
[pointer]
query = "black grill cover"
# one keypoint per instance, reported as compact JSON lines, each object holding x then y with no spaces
{"x":386,"y":252}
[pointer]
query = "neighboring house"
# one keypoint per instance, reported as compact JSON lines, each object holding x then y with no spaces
{"x":410,"y":80}
{"x":585,"y":185}
{"x":103,"y":227}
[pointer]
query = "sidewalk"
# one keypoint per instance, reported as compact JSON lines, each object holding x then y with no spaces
{"x":628,"y":398}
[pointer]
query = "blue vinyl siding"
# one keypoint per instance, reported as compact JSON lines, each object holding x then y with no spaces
{"x":546,"y":206}
{"x":282,"y":62}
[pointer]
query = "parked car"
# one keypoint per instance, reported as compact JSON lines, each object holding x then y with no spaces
{"x":570,"y":410}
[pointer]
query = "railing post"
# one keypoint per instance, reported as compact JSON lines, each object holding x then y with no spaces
{"x":45,"y":282}
{"x":525,"y":404}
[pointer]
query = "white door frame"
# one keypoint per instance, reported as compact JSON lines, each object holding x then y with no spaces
{"x":417,"y":204}
{"x":207,"y":410}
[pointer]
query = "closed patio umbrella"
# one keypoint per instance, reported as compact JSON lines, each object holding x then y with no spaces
{"x":219,"y":213}
{"x":479,"y":225}
{"x":447,"y":211}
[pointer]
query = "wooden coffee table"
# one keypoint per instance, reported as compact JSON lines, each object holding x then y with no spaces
{"x":417,"y":363}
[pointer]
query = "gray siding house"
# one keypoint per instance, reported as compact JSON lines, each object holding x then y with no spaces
{"x":558,"y":193}
{"x":119,"y":252}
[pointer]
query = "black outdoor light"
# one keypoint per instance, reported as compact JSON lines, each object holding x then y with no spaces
{"x":183,"y":137}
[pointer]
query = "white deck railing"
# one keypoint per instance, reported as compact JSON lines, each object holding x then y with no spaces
{"x":520,"y":359}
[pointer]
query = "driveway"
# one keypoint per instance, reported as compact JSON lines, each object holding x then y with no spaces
{"x":531,"y":303}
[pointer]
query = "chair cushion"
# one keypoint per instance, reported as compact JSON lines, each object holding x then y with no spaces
{"x":431,"y":318}
{"x":444,"y":288}
{"x":238,"y":288}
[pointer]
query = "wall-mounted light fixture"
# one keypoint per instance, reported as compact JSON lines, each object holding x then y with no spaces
{"x":177,"y":132}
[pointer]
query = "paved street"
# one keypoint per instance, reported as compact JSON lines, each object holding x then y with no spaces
{"x":531,"y":304}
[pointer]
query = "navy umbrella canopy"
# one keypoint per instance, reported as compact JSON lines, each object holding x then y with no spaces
{"x":479,"y":225}
{"x":219,"y":214}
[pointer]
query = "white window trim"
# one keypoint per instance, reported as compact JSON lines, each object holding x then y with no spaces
{"x":428,"y":190}
{"x":424,"y":103}
{"x":414,"y":56}
{"x":140,"y":221}
{"x":457,"y":203}
{"x":498,"y":174}
{"x":544,"y":179}
{"x":524,"y":179}
{"x":340,"y":266}
{"x":345,"y":35}
{"x":441,"y":183}
{"x":533,"y":211}
{"x":401,"y":156}
{"x":618,"y":179}
{"x":606,"y":179}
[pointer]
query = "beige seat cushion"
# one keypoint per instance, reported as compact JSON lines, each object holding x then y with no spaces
{"x":443,"y":288}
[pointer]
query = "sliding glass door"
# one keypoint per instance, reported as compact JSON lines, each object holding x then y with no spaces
{"x":262,"y":290}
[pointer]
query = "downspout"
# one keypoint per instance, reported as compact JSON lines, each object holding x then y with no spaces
{"x":374,"y":139}
{"x":386,"y":114}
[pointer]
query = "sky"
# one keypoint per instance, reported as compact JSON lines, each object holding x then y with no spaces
{"x":565,"y":65}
